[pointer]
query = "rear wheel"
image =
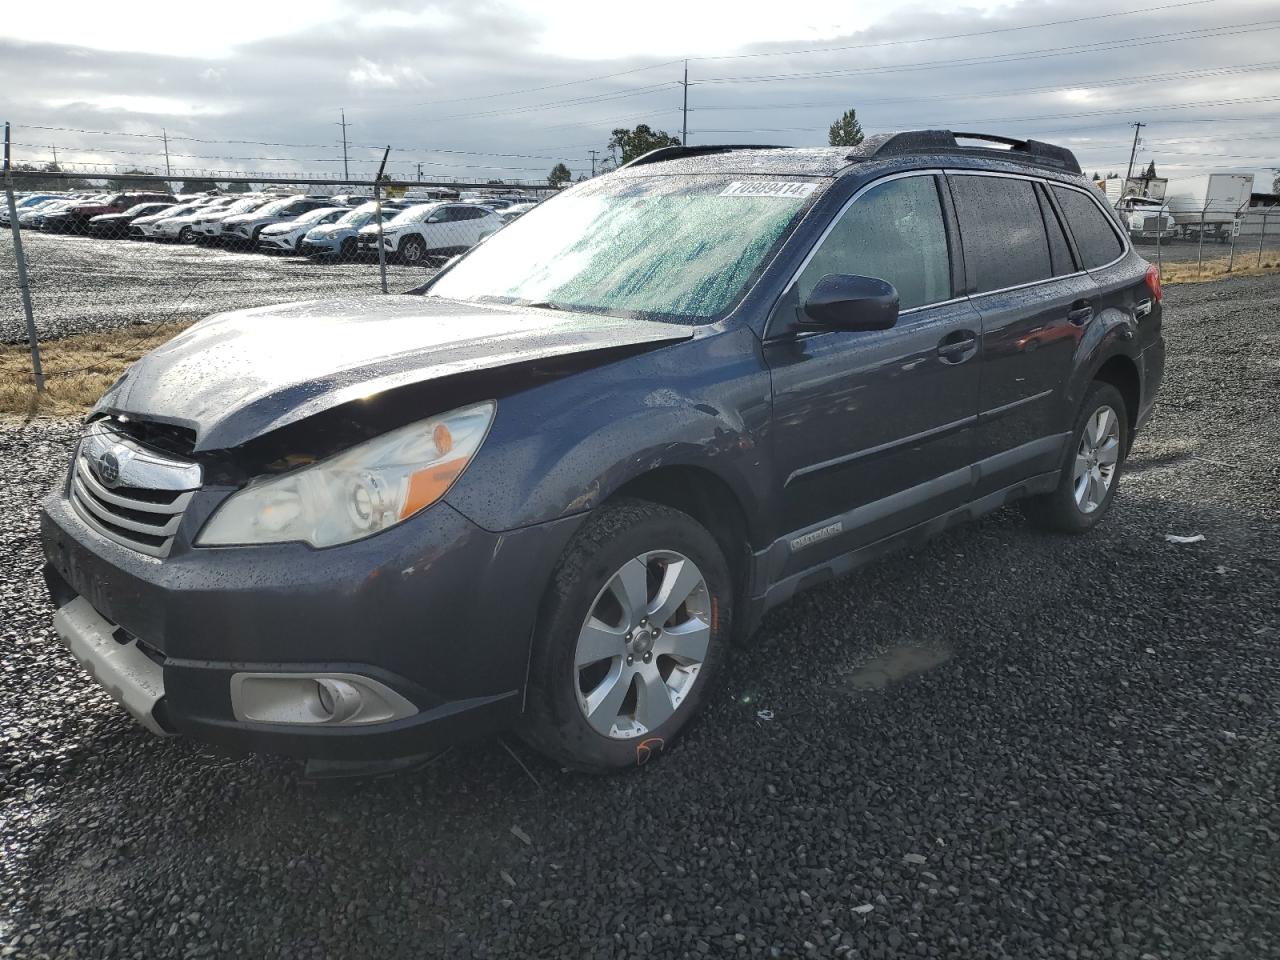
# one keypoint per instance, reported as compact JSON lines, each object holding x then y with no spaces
{"x":1099,"y":443}
{"x":632,"y":630}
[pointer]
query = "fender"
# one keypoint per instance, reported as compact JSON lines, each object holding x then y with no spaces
{"x":564,"y":447}
{"x":1113,"y":333}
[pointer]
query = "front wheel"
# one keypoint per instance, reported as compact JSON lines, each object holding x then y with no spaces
{"x":631,"y":632}
{"x":412,"y":251}
{"x":1099,"y":443}
{"x":186,"y":235}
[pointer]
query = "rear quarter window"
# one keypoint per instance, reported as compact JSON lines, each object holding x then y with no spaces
{"x":1003,"y":232}
{"x":1095,"y":237}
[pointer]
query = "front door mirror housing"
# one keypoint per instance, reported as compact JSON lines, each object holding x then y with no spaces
{"x":848,"y":302}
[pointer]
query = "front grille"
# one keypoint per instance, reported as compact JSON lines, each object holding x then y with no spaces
{"x":129,"y":493}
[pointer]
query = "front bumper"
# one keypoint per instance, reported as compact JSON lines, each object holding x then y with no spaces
{"x":436,"y":609}
{"x":275,"y":242}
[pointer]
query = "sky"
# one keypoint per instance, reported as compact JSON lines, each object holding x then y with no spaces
{"x":482,"y":89}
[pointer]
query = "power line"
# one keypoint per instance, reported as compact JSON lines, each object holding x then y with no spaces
{"x":801,"y":52}
{"x":1100,"y":46}
{"x":1006,"y":92}
{"x":953,"y":122}
{"x":1176,"y":36}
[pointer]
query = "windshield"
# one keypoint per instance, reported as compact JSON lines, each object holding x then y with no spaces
{"x":360,"y":216}
{"x":680,"y":248}
{"x":272,"y":208}
{"x":182,"y":208}
{"x":244,"y":206}
{"x":317,"y":216}
{"x":412,"y":214}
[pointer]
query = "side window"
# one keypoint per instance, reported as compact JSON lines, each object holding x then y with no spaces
{"x":1003,"y":233}
{"x":1059,"y":249}
{"x":894,"y":232}
{"x":1095,"y":237}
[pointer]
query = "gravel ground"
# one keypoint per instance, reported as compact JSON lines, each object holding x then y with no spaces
{"x":83,"y":284}
{"x":1004,"y":744}
{"x":1184,"y":251}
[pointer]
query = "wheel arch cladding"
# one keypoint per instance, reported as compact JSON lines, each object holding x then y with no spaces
{"x":1121,"y":372}
{"x":706,"y":497}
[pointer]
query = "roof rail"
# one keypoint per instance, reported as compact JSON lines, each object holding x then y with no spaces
{"x":1034,"y":152}
{"x":678,"y":151}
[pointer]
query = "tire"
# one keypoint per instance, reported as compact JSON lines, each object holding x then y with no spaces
{"x":348,"y":250}
{"x":185,"y":235}
{"x":581,"y":606}
{"x":1065,"y":510}
{"x":412,"y":251}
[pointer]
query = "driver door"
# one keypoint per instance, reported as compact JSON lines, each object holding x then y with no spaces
{"x":873,"y":431}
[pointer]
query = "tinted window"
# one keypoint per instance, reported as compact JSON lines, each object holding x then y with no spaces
{"x":1003,"y":233}
{"x":893,"y":232}
{"x":1095,"y":238}
{"x":1059,"y":249}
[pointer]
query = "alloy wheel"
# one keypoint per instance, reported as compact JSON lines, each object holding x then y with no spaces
{"x":185,"y":235}
{"x":412,"y":251}
{"x":644,"y":640}
{"x":1096,"y":459}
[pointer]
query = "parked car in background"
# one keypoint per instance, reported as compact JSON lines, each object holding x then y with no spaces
{"x":241,"y":230}
{"x":431,"y":230}
{"x":207,"y":227}
{"x":26,"y":204}
{"x":287,"y":237}
{"x":515,"y":211}
{"x":338,"y":239}
{"x":75,"y":218}
{"x":113,"y":225}
{"x":543,"y":493}
{"x":35,"y":216}
{"x":181,"y":228}
{"x":144,"y":228}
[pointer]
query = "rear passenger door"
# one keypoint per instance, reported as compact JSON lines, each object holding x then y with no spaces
{"x":1035,"y":304}
{"x":872,"y":430}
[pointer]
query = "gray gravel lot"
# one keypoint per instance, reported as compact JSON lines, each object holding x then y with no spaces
{"x":1004,"y":744}
{"x":82,"y":284}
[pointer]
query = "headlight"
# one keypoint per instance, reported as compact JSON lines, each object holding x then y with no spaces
{"x":357,"y":493}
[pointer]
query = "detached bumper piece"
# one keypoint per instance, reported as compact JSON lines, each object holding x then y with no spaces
{"x":132,"y":678}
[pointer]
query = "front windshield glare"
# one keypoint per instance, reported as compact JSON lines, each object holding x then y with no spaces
{"x":413,"y":214}
{"x":679,"y":248}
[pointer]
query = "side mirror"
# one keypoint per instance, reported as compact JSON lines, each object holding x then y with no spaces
{"x":846,"y":302}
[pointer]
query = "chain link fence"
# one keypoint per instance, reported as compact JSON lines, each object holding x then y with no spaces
{"x":114,"y":267}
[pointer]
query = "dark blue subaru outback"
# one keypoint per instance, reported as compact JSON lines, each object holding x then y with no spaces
{"x":543,"y":491}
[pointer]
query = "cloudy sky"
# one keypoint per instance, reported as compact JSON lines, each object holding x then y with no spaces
{"x":505,"y":88}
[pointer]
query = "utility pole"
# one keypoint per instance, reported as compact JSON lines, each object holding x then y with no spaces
{"x":593,"y":163}
{"x":20,"y":258}
{"x":346,"y":174}
{"x":55,"y":154}
{"x":419,"y":173}
{"x":165,"y":134}
{"x":684,"y":127}
{"x":1137,"y":129}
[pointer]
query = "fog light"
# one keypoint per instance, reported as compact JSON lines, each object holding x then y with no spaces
{"x":333,"y":699}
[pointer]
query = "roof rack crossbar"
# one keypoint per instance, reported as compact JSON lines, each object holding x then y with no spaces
{"x":677,"y":151}
{"x":934,"y":141}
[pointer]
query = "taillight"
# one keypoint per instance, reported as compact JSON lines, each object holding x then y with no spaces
{"x":1153,"y":283}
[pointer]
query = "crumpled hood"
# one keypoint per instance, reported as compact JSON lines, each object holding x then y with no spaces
{"x":239,"y":375}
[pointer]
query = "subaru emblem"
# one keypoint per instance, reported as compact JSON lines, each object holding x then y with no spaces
{"x":108,"y":468}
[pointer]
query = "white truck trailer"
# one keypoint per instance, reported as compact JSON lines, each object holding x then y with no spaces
{"x":1209,"y":202}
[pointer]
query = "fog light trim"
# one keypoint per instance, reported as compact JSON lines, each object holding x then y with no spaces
{"x":315,"y":699}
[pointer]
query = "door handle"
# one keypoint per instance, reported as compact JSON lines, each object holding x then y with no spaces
{"x":1081,"y":312}
{"x":958,"y":346}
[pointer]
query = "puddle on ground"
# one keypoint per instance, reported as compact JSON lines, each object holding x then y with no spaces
{"x":896,"y":664}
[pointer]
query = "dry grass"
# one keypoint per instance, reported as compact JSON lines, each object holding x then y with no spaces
{"x":77,"y":369}
{"x":1245,"y":266}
